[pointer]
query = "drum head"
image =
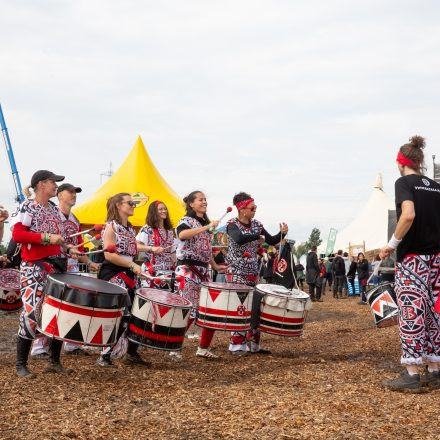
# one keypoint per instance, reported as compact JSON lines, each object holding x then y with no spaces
{"x":227,"y":286}
{"x":281,"y":291}
{"x":87,"y":283}
{"x":164,"y":297}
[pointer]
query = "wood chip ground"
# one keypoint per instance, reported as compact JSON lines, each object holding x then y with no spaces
{"x":325,"y":385}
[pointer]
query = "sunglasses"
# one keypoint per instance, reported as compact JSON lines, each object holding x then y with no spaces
{"x":131,"y":203}
{"x":254,"y":208}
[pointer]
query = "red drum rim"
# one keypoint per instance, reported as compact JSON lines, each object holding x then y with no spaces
{"x":163,"y":297}
{"x":227,"y":286}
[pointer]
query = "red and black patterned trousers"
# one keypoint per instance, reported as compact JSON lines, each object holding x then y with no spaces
{"x":417,"y":288}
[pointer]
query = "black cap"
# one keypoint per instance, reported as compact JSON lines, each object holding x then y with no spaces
{"x":68,"y":187}
{"x":44,"y":175}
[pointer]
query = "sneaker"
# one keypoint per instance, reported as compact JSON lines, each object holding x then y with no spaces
{"x":135,"y":359}
{"x":77,"y":352}
{"x":431,"y":380}
{"x":193,"y":336}
{"x":405,"y":383}
{"x":176,"y":356}
{"x":206,"y":353}
{"x":261,"y":351}
{"x":239,"y":353}
{"x":104,"y":361}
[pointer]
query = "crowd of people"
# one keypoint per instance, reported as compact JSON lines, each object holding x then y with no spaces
{"x":47,"y":238}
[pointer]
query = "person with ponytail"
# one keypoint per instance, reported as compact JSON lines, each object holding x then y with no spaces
{"x":119,"y":268}
{"x":39,"y":229}
{"x":194,"y":254}
{"x":245,"y":236}
{"x":158,"y":235}
{"x":416,"y":241}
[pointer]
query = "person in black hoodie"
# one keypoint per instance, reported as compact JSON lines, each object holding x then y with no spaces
{"x":363,"y":274}
{"x":338,"y":275}
{"x":312,"y":273}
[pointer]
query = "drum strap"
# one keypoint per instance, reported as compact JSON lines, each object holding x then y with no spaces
{"x":130,"y":282}
{"x":198,"y":273}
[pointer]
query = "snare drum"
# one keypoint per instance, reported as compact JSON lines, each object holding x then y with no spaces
{"x":383,"y":302}
{"x":225,"y":306}
{"x":10,"y":299}
{"x":158,"y":319}
{"x":283,"y":311}
{"x":81,"y":309}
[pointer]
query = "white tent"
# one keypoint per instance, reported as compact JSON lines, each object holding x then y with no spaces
{"x":371,"y":225}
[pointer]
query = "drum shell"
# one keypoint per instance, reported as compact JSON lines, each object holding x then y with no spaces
{"x":383,"y":303}
{"x":285,"y":319}
{"x":81,"y":309}
{"x":158,"y":320}
{"x":10,"y":295}
{"x":225,"y":307}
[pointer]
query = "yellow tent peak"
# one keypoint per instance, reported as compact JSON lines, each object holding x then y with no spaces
{"x":137,"y":175}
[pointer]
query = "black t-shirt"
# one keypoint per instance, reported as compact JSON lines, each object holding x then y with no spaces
{"x":423,"y":237}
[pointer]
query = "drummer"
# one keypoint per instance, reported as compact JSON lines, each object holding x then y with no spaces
{"x":245,"y":235}
{"x":66,"y":194}
{"x":119,"y":268}
{"x":40,"y":230}
{"x":158,"y":234}
{"x":417,"y":244}
{"x":194,"y":253}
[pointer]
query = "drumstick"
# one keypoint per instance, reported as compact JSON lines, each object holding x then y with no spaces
{"x":111,"y":249}
{"x":97,"y":237}
{"x":96,"y":228}
{"x":228,"y":210}
{"x":375,"y":272}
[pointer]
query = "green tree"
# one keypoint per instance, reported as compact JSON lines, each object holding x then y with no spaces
{"x":314,"y":239}
{"x":299,"y":250}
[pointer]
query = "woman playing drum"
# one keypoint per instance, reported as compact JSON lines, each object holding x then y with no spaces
{"x":40,"y":231}
{"x":119,"y":268}
{"x":194,"y":253}
{"x":159,"y":236}
{"x":245,"y":235}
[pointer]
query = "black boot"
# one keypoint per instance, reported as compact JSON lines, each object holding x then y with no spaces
{"x":54,"y":364}
{"x":23,"y":349}
{"x":105,"y":361}
{"x":132,"y":357}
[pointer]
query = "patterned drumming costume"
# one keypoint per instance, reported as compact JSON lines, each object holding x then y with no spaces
{"x":38,"y":261}
{"x":193,"y":256}
{"x":126,"y":247}
{"x":417,"y":284}
{"x":157,"y":237}
{"x":243,"y":268}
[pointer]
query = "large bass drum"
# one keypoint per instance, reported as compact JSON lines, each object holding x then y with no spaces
{"x":158,"y":319}
{"x":283,"y":311}
{"x":10,"y":298}
{"x":225,"y":306}
{"x":81,"y":309}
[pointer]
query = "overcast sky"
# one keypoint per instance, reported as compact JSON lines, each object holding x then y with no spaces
{"x":299,"y":103}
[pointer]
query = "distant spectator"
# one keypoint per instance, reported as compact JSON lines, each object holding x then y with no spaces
{"x":338,"y":275}
{"x":363,"y":274}
{"x":312,"y":272}
{"x":300,"y":276}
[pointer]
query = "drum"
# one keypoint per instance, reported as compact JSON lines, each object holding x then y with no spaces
{"x":383,"y":302}
{"x":81,"y":309}
{"x":158,"y":319}
{"x":225,"y":306}
{"x":283,"y":311}
{"x":10,"y":299}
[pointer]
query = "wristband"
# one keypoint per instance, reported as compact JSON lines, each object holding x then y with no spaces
{"x":132,"y":265}
{"x":394,"y":242}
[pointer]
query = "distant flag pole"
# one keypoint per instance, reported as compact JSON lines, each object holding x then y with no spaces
{"x":17,"y":183}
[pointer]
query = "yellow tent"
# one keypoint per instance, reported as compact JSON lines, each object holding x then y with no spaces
{"x":139,"y":176}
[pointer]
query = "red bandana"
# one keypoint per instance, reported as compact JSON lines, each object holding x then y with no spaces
{"x":243,"y":204}
{"x":404,"y":161}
